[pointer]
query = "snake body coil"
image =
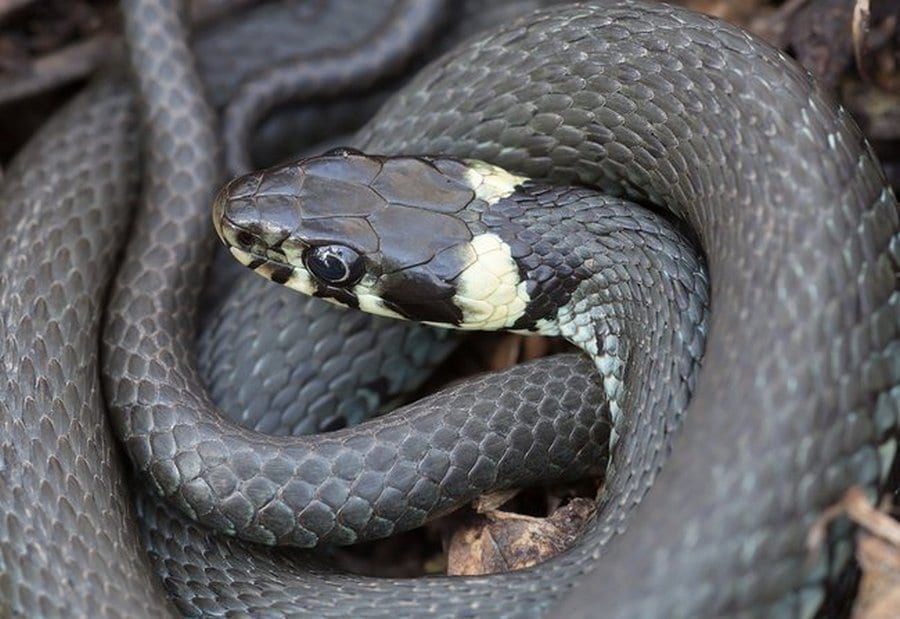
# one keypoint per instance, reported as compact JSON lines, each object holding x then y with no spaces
{"x":797,"y":399}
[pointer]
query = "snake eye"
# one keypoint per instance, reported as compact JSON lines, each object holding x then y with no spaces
{"x":335,"y":265}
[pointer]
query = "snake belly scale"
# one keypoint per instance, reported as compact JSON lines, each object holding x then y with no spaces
{"x":797,"y":398}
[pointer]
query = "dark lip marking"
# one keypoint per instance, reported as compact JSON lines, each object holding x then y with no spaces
{"x":259,"y":260}
{"x":341,"y":295}
{"x":280,"y":273}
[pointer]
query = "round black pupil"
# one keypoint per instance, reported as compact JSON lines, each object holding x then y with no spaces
{"x":329,"y":266}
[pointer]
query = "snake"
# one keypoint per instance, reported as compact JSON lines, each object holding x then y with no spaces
{"x":705,"y":132}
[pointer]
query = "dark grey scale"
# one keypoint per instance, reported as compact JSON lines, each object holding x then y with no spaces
{"x":547,"y":243}
{"x":433,"y":184}
{"x":291,"y":364}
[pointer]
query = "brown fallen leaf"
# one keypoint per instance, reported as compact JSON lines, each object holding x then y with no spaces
{"x":877,"y":111}
{"x":861,"y":26}
{"x":499,"y":541}
{"x":822,"y":34}
{"x":877,"y":550}
{"x":513,"y":348}
{"x":879,"y":589}
{"x":876,"y":43}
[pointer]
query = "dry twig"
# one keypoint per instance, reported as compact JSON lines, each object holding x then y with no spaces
{"x":65,"y":65}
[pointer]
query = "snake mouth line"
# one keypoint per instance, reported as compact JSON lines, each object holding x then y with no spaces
{"x":255,"y":260}
{"x":276,"y":269}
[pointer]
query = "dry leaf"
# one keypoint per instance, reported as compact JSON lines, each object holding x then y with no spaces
{"x":877,"y":550}
{"x":502,"y":541}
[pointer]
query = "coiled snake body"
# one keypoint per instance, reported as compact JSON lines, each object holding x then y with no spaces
{"x":797,"y":399}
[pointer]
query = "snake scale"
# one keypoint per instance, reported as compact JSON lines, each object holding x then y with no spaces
{"x":796,"y":401}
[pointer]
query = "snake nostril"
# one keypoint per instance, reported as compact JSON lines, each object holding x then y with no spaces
{"x":244,"y":238}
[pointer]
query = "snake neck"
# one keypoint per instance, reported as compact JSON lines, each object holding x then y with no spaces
{"x":617,"y":280}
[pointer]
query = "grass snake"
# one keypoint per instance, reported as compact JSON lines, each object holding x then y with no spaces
{"x":796,"y":400}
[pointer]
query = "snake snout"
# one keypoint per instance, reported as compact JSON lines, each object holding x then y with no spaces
{"x":250,"y":220}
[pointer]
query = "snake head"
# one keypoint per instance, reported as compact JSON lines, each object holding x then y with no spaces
{"x":388,"y":235}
